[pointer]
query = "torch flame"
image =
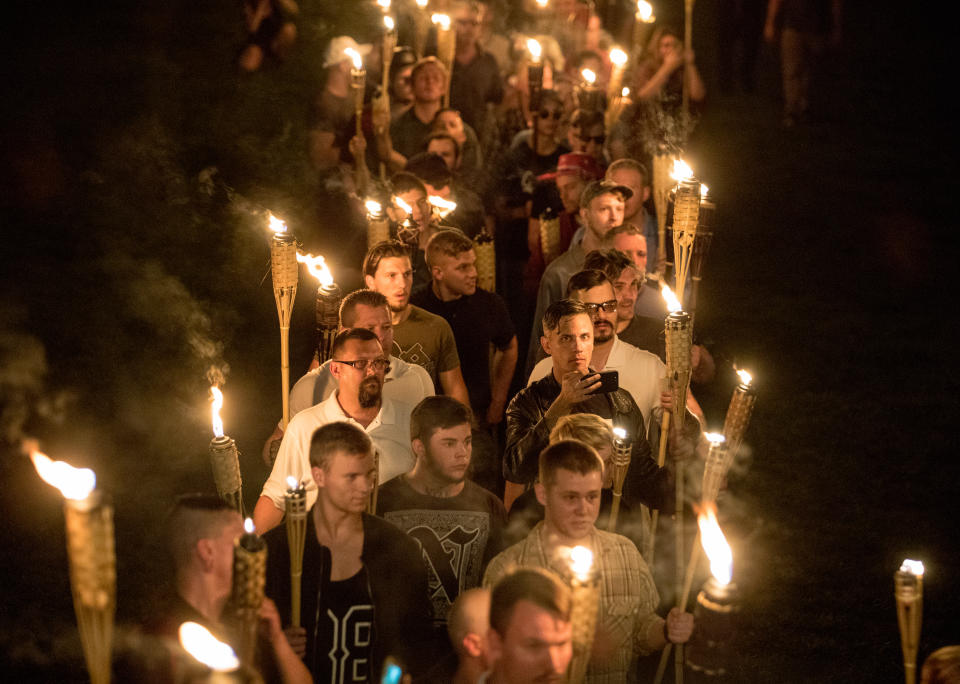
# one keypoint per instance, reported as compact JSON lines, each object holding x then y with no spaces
{"x":202,"y":645}
{"x":276,"y":225}
{"x":644,"y":11}
{"x":442,"y":205}
{"x":373,"y":207}
{"x":715,"y":545}
{"x":914,"y":567}
{"x":355,"y":56}
{"x":619,"y":433}
{"x":422,"y":4}
{"x":441,"y":20}
{"x":215,"y":411}
{"x":248,"y":526}
{"x":673,"y":304}
{"x":403,"y":205}
{"x":581,"y":562}
{"x":703,"y":190}
{"x":292,"y":482}
{"x":681,"y":170}
{"x":542,"y":4}
{"x":745,"y":377}
{"x":384,"y":4}
{"x":318,"y":268}
{"x":589,"y":76}
{"x":533,"y":46}
{"x":618,"y":57}
{"x":625,"y":92}
{"x":73,"y":483}
{"x":715,"y":438}
{"x":388,"y":20}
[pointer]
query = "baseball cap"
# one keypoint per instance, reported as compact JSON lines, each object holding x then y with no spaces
{"x":602,"y":187}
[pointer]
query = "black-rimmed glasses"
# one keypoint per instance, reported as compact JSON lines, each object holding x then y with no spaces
{"x":379,"y":365}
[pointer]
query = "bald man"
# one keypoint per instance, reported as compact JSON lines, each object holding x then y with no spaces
{"x":467,"y":625}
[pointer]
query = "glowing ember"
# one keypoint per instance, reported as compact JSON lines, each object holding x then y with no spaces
{"x":373,"y":207}
{"x":276,"y":225}
{"x":745,"y":377}
{"x":442,"y":205}
{"x":715,"y":545}
{"x":618,"y":57}
{"x":644,"y":11}
{"x":355,"y":56}
{"x":441,"y":20}
{"x":388,"y":21}
{"x":715,"y":437}
{"x":581,"y":562}
{"x":589,"y":76}
{"x":292,"y":482}
{"x":533,"y":47}
{"x":202,"y":645}
{"x":248,"y":526}
{"x":318,"y":268}
{"x":673,"y":304}
{"x":619,"y":433}
{"x":215,"y":411}
{"x":73,"y":483}
{"x":914,"y":567}
{"x":681,"y":170}
{"x":398,"y":201}
{"x":625,"y":92}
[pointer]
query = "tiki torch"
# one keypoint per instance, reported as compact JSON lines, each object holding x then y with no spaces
{"x":621,"y":463}
{"x":739,"y":412}
{"x":701,"y":246}
{"x":295,"y":508}
{"x":210,"y":651}
{"x":283,"y":260}
{"x":421,"y":27}
{"x":589,"y":94}
{"x":615,"y":108}
{"x":549,"y":236}
{"x":534,"y":85}
{"x":389,"y":43}
{"x":358,"y":85}
{"x":446,"y":49}
{"x":686,"y":215}
{"x":662,"y":185}
{"x":328,"y":303}
{"x":908,"y":590}
{"x":249,"y":578}
{"x":483,"y":246}
{"x":585,"y":600}
{"x":225,"y":458}
{"x":372,"y":503}
{"x":92,"y":558}
{"x":619,"y":59}
{"x":717,"y":605}
{"x":378,"y":224}
{"x":642,"y":23}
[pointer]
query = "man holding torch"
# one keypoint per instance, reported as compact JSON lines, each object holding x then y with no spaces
{"x":569,"y":488}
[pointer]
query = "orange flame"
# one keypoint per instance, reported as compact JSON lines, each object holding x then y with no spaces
{"x":534,"y":48}
{"x":422,"y":4}
{"x":914,"y":567}
{"x":373,"y":207}
{"x":625,"y":92}
{"x":248,"y":526}
{"x":645,"y":11}
{"x":542,"y":4}
{"x":673,"y":304}
{"x":388,"y":21}
{"x":276,"y":225}
{"x":745,"y":377}
{"x":681,"y":170}
{"x":581,"y":562}
{"x":73,"y":483}
{"x":443,"y":206}
{"x":715,"y":545}
{"x":355,"y":56}
{"x":215,"y":407}
{"x":384,"y":4}
{"x":397,"y":200}
{"x":318,"y":268}
{"x":441,"y":20}
{"x":204,"y":647}
{"x":618,"y":57}
{"x":589,"y":76}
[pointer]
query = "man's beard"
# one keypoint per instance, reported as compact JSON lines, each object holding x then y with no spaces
{"x":602,"y":334}
{"x":370,"y":390}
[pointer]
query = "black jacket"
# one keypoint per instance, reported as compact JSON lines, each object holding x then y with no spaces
{"x":528,"y":433}
{"x":397,"y":580}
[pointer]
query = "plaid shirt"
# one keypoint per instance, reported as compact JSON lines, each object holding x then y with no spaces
{"x":628,"y":595}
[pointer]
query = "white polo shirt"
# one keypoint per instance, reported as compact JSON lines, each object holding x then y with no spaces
{"x":390,"y":432}
{"x":406,"y":382}
{"x":640,"y":374}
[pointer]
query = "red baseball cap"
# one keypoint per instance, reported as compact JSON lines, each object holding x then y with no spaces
{"x":575,"y":164}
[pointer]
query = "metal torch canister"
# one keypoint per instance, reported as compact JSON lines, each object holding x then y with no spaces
{"x":679,"y":333}
{"x":225,"y":460}
{"x":328,"y":318}
{"x":249,"y":579}
{"x":710,"y":650}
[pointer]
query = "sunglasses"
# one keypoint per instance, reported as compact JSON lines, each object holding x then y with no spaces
{"x":547,"y":113}
{"x":598,"y":139}
{"x":607,"y":307}
{"x":379,"y":365}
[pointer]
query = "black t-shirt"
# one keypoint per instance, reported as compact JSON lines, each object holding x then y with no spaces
{"x":458,"y":535}
{"x":473,"y":85}
{"x":408,"y":133}
{"x":344,"y":631}
{"x":646,"y":333}
{"x":477,"y":320}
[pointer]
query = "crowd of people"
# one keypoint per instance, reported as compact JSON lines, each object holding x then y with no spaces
{"x":480,"y":422}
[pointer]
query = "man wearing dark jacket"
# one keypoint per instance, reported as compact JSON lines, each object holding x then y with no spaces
{"x":572,"y":388}
{"x":364,"y":591}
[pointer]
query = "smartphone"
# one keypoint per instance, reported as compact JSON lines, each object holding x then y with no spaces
{"x":609,"y":382}
{"x":392,"y":672}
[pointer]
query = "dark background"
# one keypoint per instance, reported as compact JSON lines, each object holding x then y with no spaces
{"x":124,"y":283}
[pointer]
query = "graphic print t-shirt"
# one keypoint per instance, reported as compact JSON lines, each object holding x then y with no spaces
{"x":344,"y":631}
{"x":458,"y":535}
{"x":426,"y":340}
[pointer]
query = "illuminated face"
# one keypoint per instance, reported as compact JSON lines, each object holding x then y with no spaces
{"x":376,"y":319}
{"x":402,"y":88}
{"x":447,"y":453}
{"x":347,"y":481}
{"x":570,"y":188}
{"x":635,"y":247}
{"x":428,"y":84}
{"x":467,"y":24}
{"x":447,"y":151}
{"x":457,"y":274}
{"x":604,"y":322}
{"x":365,"y":384}
{"x":221,"y":552}
{"x":536,"y":647}
{"x":626,"y":287}
{"x":547,"y":120}
{"x":641,"y":191}
{"x":571,"y":502}
{"x":604,"y":213}
{"x":570,"y":345}
{"x":393,"y":279}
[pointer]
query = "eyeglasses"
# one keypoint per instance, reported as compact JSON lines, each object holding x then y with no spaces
{"x":379,"y":365}
{"x":607,"y":307}
{"x":547,"y":113}
{"x":598,"y":139}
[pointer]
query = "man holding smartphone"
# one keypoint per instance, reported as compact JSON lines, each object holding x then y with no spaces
{"x":572,"y":387}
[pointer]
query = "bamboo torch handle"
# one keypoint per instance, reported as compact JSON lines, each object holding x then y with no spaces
{"x":295,"y":583}
{"x":285,"y":373}
{"x":661,"y":459}
{"x":614,"y":512}
{"x":678,"y":535}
